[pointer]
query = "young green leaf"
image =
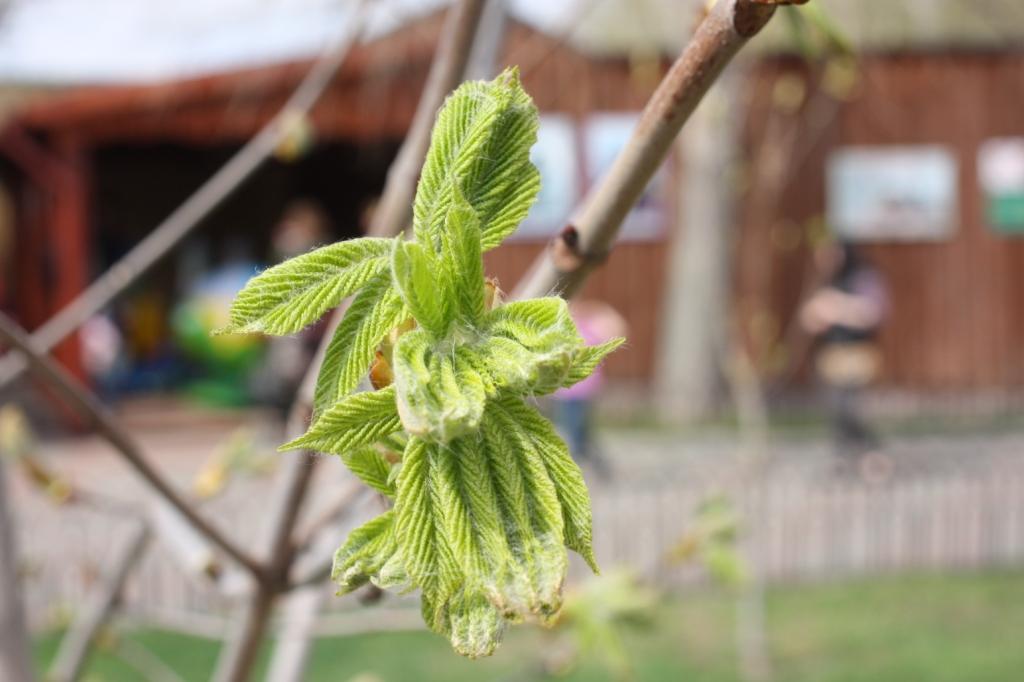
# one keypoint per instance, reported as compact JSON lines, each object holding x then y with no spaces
{"x":443,"y":552}
{"x":371,"y":468}
{"x":537,"y":433}
{"x":588,"y":358}
{"x":460,"y":249}
{"x":481,"y":144}
{"x":482,"y":518}
{"x":428,"y":560}
{"x":532,"y":344}
{"x":532,"y":516}
{"x":415,"y":273}
{"x":365,"y":553}
{"x":374,"y":312}
{"x":486,"y":497}
{"x":440,"y":395}
{"x":296,"y":293}
{"x":360,"y":419}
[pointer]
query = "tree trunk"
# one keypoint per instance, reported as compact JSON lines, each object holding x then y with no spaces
{"x":689,"y":383}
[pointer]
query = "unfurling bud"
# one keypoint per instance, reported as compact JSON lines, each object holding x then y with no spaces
{"x":381,"y":375}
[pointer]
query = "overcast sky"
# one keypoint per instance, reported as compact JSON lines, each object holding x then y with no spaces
{"x":138,"y":40}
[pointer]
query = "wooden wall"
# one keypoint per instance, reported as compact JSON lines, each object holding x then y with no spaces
{"x":957,"y":318}
{"x":372,"y":98}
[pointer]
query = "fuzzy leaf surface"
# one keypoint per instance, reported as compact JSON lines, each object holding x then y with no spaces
{"x":538,"y":433}
{"x":416,"y":276}
{"x":354,"y":421}
{"x":480,"y":145}
{"x":365,"y":553}
{"x":587,"y":358}
{"x":461,"y":256}
{"x":375,"y":310}
{"x":440,"y":395}
{"x":372,"y":469}
{"x":532,"y":344}
{"x":290,"y":296}
{"x":481,"y":528}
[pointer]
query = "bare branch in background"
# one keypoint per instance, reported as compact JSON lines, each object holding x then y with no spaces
{"x":393,"y":214}
{"x":343,"y":500}
{"x":15,"y":651}
{"x":188,"y":215}
{"x":100,"y":418}
{"x":585,"y":242}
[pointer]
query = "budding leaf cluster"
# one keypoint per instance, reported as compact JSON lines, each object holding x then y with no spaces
{"x":486,"y":498}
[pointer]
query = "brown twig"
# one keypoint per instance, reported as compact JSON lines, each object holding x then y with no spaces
{"x":15,"y":652}
{"x":392,"y":216}
{"x":100,"y":418}
{"x":585,"y":243}
{"x":348,"y":496}
{"x":395,"y":208}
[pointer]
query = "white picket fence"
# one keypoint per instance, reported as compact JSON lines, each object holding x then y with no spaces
{"x":796,"y":527}
{"x":800,"y":529}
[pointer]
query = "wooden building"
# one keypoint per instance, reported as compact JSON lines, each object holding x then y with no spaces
{"x":956,"y":317}
{"x":95,"y":169}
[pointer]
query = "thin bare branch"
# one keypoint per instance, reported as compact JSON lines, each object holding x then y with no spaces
{"x":188,"y":215}
{"x":317,"y":574}
{"x":584,"y":243}
{"x":345,"y":498}
{"x":100,"y":418}
{"x":395,"y":208}
{"x":393,"y":214}
{"x":15,"y":651}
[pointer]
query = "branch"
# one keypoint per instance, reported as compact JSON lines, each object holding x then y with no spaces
{"x":100,"y":418}
{"x":393,"y":214}
{"x":349,"y":495}
{"x":584,"y":244}
{"x":394,"y":211}
{"x":15,"y":647}
{"x":187,"y":217}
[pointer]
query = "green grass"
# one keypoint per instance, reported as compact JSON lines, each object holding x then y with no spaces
{"x":921,"y":627}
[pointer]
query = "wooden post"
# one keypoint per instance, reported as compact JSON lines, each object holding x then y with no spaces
{"x":68,"y":242}
{"x":29,"y":243}
{"x":697,"y":303}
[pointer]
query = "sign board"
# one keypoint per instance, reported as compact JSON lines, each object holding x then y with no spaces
{"x":892,"y":193}
{"x":1001,"y":176}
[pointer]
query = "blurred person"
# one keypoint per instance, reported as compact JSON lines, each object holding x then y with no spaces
{"x":573,"y":407}
{"x":102,"y":351}
{"x":844,"y":315}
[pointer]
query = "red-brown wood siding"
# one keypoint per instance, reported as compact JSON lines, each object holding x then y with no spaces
{"x":373,"y":97}
{"x":957,"y":306}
